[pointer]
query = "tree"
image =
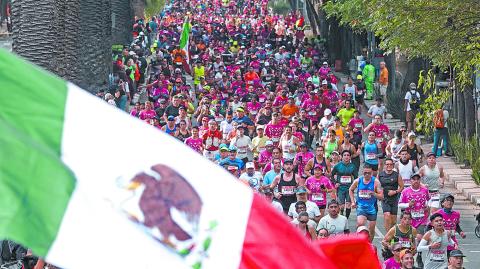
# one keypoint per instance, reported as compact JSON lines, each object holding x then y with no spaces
{"x":122,"y":21}
{"x":71,"y":38}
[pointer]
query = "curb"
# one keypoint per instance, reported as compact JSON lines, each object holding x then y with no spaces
{"x":461,"y":178}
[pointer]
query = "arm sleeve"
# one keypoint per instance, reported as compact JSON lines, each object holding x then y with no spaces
{"x":458,"y":229}
{"x":423,"y":246}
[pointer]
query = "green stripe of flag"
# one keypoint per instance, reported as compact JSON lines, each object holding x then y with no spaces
{"x":35,"y":185}
{"x":185,"y":34}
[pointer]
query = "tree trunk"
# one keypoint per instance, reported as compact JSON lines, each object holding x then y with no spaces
{"x":70,"y":38}
{"x":122,"y":22}
{"x":138,"y":8}
{"x":414,"y":67}
{"x":469,"y":112}
{"x":96,"y":46}
{"x":461,"y":110}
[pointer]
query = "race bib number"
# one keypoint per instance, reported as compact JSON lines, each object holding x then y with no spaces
{"x":371,"y":156}
{"x":261,"y":100}
{"x":360,"y":92}
{"x":288,"y":190}
{"x":253,"y":112}
{"x":406,"y":182}
{"x":305,"y":129}
{"x":435,"y":196}
{"x":317,"y":197}
{"x":405,"y":242}
{"x":345,"y":179}
{"x":417,"y":214}
{"x":312,"y":113}
{"x":275,"y":140}
{"x":364,"y":194}
{"x":232,"y":168}
{"x":438,"y":255}
{"x":379,"y":140}
{"x":358,"y":125}
{"x":225,"y":95}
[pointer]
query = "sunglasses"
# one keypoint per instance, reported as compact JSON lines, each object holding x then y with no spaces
{"x":303,"y":221}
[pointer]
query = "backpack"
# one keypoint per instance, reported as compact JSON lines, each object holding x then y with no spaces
{"x":414,"y":101}
{"x":438,"y":119}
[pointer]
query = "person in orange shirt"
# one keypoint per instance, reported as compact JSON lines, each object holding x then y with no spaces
{"x":290,"y":109}
{"x":383,"y":80}
{"x":250,"y":76}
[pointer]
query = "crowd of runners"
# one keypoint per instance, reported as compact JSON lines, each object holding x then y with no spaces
{"x":258,"y":98}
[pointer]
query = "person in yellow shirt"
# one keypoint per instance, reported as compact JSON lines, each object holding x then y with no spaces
{"x":198,"y":72}
{"x":383,"y":80}
{"x":259,"y":141}
{"x":346,"y":114}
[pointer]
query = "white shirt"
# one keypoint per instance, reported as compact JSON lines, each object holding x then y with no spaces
{"x":310,"y":223}
{"x":226,"y":127}
{"x":334,"y":225}
{"x":408,"y":97}
{"x":254,"y":181}
{"x":312,"y":210}
{"x":277,"y":206}
{"x":376,"y":110}
{"x":243,"y":145}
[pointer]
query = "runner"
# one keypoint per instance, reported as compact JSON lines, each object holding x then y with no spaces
{"x":392,"y":185}
{"x":405,"y":167}
{"x":451,"y":219}
{"x":285,"y":185}
{"x":414,"y":200}
{"x":318,"y":159}
{"x":433,"y":178}
{"x":435,"y":243}
{"x":318,"y":186}
{"x":371,"y":152}
{"x":403,"y":233}
{"x":364,"y":193}
{"x":334,"y":223}
{"x":312,"y":208}
{"x":343,"y":175}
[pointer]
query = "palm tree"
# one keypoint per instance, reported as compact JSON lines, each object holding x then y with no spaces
{"x":71,"y":38}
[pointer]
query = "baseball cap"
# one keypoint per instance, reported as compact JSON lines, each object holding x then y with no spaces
{"x":413,"y":85}
{"x":303,"y":144}
{"x":267,"y":191}
{"x":240,"y":109}
{"x":325,"y":63}
{"x":411,"y":134}
{"x":456,"y":253}
{"x":301,"y":189}
{"x":415,"y":175}
{"x":269,"y":143}
{"x":324,"y":82}
{"x":223,"y":147}
{"x":249,"y":165}
{"x":445,"y":196}
{"x":359,"y":77}
{"x":309,"y":79}
{"x":405,"y":251}
{"x":362,"y":229}
{"x":232,"y":148}
{"x":335,"y":152}
{"x":261,"y":127}
{"x":171,"y":118}
{"x":327,"y":112}
{"x":431,"y":154}
{"x":285,"y":161}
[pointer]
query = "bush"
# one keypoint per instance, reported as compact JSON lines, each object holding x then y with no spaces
{"x":476,"y":171}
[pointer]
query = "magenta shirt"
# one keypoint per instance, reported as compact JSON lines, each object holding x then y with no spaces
{"x":305,"y":158}
{"x":419,"y":211}
{"x":280,"y":101}
{"x":274,"y":131}
{"x":356,"y":123}
{"x":391,"y":263}
{"x":195,"y":144}
{"x":147,"y":114}
{"x":450,"y":223}
{"x":317,"y":195}
{"x":265,"y":157}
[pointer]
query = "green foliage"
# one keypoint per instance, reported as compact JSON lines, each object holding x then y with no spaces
{"x":153,"y":7}
{"x":435,"y":99}
{"x":458,"y":146}
{"x":445,"y":31}
{"x":476,"y":171}
{"x":280,"y":6}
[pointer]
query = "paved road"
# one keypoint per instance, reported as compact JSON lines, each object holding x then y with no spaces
{"x":470,"y":245}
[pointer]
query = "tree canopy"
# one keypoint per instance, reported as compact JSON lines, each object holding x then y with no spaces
{"x":445,"y":31}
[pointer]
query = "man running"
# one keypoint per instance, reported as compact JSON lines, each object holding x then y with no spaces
{"x":343,"y":174}
{"x":285,"y":185}
{"x":451,"y":219}
{"x":334,"y":222}
{"x":405,"y":167}
{"x":435,"y":243}
{"x":368,"y":191}
{"x":403,"y":233}
{"x":392,"y":185}
{"x":433,"y":178}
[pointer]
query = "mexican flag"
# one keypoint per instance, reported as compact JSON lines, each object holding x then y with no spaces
{"x":86,"y":185}
{"x":185,"y":41}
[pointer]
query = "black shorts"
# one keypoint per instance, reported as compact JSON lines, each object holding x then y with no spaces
{"x":373,"y":166}
{"x":390,"y":205}
{"x":322,"y":206}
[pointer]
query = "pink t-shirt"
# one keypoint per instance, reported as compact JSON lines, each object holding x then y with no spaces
{"x":274,"y":131}
{"x":391,"y":263}
{"x":147,"y":114}
{"x":195,"y":144}
{"x":450,"y":223}
{"x":317,"y":195}
{"x":265,"y":157}
{"x":305,"y":157}
{"x":253,"y":108}
{"x":356,"y":123}
{"x":420,"y":210}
